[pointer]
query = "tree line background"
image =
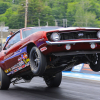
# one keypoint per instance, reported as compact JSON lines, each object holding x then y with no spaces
{"x":82,"y":13}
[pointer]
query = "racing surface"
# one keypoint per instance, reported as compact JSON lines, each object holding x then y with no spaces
{"x":70,"y":89}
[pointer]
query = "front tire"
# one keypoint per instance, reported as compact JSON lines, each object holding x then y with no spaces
{"x":95,"y":64}
{"x":4,"y":80}
{"x":54,"y":81}
{"x":37,"y":62}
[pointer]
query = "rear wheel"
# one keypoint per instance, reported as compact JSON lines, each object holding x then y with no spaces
{"x":4,"y":80}
{"x":95,"y":64}
{"x":37,"y":62}
{"x":54,"y":81}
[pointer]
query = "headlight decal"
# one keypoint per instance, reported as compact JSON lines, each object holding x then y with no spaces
{"x":55,"y":36}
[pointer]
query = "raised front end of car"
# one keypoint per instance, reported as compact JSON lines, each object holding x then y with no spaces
{"x":70,"y":46}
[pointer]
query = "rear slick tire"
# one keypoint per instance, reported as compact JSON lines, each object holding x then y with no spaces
{"x":54,"y":81}
{"x":37,"y":62}
{"x":4,"y":80}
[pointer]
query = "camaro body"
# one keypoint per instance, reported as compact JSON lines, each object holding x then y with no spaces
{"x":14,"y":58}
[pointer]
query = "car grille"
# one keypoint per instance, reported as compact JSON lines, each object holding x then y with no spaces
{"x":79,"y":35}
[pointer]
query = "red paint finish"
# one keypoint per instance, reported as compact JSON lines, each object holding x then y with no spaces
{"x":39,"y":39}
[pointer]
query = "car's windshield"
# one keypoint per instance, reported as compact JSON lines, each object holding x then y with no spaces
{"x":28,"y":31}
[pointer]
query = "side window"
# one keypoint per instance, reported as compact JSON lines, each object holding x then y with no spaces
{"x":13,"y":40}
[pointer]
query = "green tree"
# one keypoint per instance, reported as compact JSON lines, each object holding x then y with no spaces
{"x":37,"y":10}
{"x":77,"y":12}
{"x":82,"y":14}
{"x":46,"y":16}
{"x":3,"y":7}
{"x":71,"y":11}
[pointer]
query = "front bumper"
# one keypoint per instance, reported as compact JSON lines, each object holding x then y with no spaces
{"x":72,"y":42}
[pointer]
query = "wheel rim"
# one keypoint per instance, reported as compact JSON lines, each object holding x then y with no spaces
{"x":35,"y":59}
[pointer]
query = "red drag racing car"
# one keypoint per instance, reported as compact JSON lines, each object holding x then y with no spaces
{"x":46,"y":52}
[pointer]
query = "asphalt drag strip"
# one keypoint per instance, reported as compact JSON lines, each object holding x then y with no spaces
{"x":70,"y":89}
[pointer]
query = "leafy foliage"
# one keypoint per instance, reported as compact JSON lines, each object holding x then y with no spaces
{"x":82,"y":13}
{"x":3,"y":7}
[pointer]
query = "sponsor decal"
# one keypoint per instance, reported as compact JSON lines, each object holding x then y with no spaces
{"x":23,"y":62}
{"x":7,"y":70}
{"x":20,"y":63}
{"x":23,"y":50}
{"x":86,"y":67}
{"x":43,"y":49}
{"x":24,"y":56}
{"x":20,"y":59}
{"x":9,"y":73}
{"x":26,"y":61}
{"x":12,"y":72}
{"x":23,"y":66}
{"x":14,"y":67}
{"x":77,"y":68}
{"x":15,"y":70}
{"x":28,"y":64}
{"x":17,"y":53}
{"x":19,"y":68}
